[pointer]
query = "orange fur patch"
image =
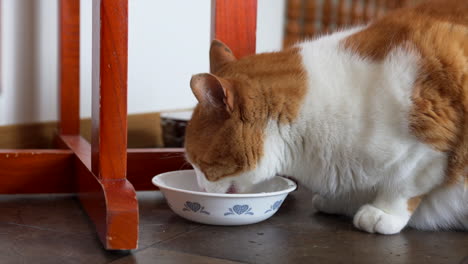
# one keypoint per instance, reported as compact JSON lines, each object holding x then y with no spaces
{"x":413,"y":203}
{"x":438,"y":32}
{"x":269,"y":86}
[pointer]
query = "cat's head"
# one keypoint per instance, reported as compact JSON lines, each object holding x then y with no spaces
{"x":225,"y":139}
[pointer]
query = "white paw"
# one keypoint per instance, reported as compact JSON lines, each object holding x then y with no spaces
{"x":373,"y":220}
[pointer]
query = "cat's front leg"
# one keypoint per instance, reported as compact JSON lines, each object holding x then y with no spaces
{"x":387,"y":214}
{"x":346,"y":204}
{"x":327,"y":206}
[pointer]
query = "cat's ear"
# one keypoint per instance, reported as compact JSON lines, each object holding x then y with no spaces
{"x":213,"y":90}
{"x":220,"y":54}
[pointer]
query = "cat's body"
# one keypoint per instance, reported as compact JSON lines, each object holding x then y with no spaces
{"x":373,"y":119}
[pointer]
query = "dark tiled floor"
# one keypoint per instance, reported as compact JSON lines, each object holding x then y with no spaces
{"x":53,"y":229}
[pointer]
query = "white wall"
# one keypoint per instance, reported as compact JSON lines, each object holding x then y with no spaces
{"x":168,"y":42}
{"x":29,"y":59}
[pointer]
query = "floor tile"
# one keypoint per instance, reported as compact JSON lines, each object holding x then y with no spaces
{"x":22,"y":244}
{"x":160,"y":256}
{"x":296,"y":235}
{"x":54,"y":229}
{"x":53,"y":212}
{"x":157,"y":221}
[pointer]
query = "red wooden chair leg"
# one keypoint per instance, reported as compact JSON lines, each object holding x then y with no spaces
{"x":235,"y":23}
{"x":98,"y":171}
{"x":100,"y":168}
{"x":69,"y":67}
{"x":117,"y":221}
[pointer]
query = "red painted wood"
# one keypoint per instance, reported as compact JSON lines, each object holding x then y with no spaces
{"x":144,"y":164}
{"x":112,"y":206}
{"x":109,"y":105}
{"x":1,"y":44}
{"x":101,"y":168}
{"x":110,"y":203}
{"x":235,"y":23}
{"x":36,"y":171}
{"x":69,"y":67}
{"x":80,"y":147}
{"x":52,"y":171}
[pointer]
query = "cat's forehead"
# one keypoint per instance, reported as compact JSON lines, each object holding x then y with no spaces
{"x":260,"y":65}
{"x":238,"y":69}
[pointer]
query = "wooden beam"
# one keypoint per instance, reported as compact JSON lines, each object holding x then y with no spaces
{"x":69,"y":67}
{"x":144,"y":164}
{"x":79,"y":146}
{"x":52,"y":171}
{"x":110,"y":203}
{"x":36,"y":171}
{"x":109,"y":91}
{"x":235,"y":23}
{"x":107,"y":196}
{"x":113,"y":208}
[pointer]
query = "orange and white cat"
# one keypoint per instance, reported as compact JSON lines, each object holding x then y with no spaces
{"x":373,"y":119}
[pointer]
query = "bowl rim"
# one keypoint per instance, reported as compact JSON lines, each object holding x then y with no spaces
{"x":291,"y":187}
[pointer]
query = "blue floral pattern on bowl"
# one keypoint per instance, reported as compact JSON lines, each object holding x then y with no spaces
{"x":239,"y":209}
{"x":194,"y":207}
{"x":275,"y":206}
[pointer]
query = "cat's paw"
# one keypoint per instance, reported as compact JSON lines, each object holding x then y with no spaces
{"x":373,"y":220}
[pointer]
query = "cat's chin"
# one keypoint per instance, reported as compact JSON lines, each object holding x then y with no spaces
{"x":212,"y":187}
{"x":232,"y":185}
{"x":218,"y":187}
{"x":227,"y":186}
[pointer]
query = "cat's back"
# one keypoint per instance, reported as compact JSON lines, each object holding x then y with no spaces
{"x":436,"y":32}
{"x":436,"y":20}
{"x":451,"y":11}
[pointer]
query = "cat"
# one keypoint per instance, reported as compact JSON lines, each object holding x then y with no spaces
{"x":373,"y":119}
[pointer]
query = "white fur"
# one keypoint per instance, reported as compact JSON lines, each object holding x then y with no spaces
{"x":352,"y":146}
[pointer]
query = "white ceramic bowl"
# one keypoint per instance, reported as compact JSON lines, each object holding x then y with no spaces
{"x":185,"y":199}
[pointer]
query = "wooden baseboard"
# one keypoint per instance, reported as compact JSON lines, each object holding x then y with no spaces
{"x":144,"y":131}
